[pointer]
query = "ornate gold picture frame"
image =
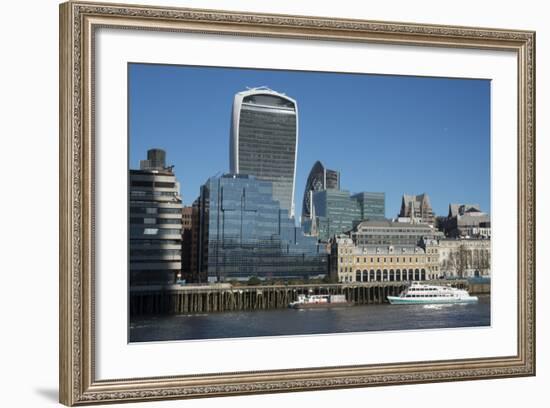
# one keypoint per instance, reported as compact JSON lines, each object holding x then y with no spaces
{"x":78,"y":381}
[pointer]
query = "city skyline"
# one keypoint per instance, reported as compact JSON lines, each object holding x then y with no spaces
{"x":347,"y":121}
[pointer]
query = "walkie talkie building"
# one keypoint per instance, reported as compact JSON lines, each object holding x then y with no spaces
{"x":264,"y":140}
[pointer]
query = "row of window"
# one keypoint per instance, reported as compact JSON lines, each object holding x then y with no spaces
{"x":154,"y":231}
{"x":154,"y":210}
{"x":138,"y":193}
{"x":136,"y":220}
{"x":404,"y":259}
{"x":154,"y":252}
{"x":424,"y":296}
{"x":378,"y":276}
{"x":385,"y":271}
{"x":160,"y":184}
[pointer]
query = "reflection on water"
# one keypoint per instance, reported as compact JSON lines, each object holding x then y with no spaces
{"x":310,"y":321}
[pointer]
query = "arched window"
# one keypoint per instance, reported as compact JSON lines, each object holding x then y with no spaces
{"x":392,"y":275}
{"x":358,"y":276}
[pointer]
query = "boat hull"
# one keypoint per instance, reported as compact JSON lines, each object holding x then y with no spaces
{"x":396,"y":300}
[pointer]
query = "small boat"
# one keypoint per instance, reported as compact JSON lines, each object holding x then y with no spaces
{"x":319,"y":301}
{"x":431,"y":294}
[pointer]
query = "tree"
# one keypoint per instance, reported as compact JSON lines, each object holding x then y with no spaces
{"x":485,"y":262}
{"x":330,"y":279}
{"x":458,"y":261}
{"x":253,"y":281}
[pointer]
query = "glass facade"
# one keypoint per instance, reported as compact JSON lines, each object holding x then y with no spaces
{"x":245,"y":233}
{"x":335,"y":212}
{"x":320,"y":178}
{"x":264,"y":135}
{"x":371,"y":205}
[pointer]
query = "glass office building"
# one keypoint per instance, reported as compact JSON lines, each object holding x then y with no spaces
{"x":320,"y":178}
{"x":335,"y":213}
{"x":264,"y":140}
{"x":245,"y":233}
{"x":371,"y":205}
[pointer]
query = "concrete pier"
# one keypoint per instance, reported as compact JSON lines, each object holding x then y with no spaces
{"x":206,"y":299}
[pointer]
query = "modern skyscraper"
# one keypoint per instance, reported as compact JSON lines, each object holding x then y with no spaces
{"x":155,"y":222}
{"x":417,"y":208}
{"x":264,"y":140}
{"x":372,"y":205}
{"x":245,"y":233}
{"x":320,"y":178}
{"x":335,"y":213}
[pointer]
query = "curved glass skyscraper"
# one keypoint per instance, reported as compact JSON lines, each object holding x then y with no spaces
{"x":264,"y":140}
{"x":320,"y":178}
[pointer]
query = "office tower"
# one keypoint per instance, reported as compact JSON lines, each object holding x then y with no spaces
{"x":372,"y":205}
{"x":320,"y":178}
{"x":264,"y":140}
{"x":244,"y":233}
{"x":335,"y":213}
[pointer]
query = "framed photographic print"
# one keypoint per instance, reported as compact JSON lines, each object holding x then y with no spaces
{"x":256,"y":203}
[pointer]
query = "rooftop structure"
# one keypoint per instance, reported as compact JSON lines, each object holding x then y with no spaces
{"x":467,"y":220}
{"x":386,"y":232}
{"x":417,"y":207}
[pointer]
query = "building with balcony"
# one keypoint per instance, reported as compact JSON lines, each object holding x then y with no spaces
{"x":155,"y":222}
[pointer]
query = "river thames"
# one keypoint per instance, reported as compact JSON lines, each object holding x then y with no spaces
{"x":284,"y":322}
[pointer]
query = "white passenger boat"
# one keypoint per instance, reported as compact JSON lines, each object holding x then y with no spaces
{"x":319,"y":301}
{"x":419,"y":293}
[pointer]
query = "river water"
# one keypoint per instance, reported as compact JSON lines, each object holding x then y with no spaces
{"x":279,"y":322}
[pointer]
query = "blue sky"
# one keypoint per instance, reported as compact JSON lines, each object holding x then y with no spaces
{"x":394,"y":134}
